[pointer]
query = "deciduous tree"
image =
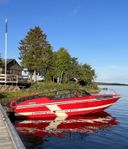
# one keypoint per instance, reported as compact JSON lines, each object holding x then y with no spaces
{"x":62,"y":64}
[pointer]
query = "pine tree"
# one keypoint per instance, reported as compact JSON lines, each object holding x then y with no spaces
{"x":35,"y":52}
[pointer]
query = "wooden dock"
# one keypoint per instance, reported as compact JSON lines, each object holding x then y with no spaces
{"x":9,"y":138}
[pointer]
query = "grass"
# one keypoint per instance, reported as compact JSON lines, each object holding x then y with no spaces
{"x":41,"y":88}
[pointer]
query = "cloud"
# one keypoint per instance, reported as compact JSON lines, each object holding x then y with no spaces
{"x":118,"y":74}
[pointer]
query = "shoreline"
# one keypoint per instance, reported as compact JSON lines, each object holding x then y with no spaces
{"x":116,"y":84}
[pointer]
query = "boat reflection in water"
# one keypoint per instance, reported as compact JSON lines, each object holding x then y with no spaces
{"x":60,"y":125}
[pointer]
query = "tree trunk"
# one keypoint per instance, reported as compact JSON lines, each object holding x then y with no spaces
{"x":30,"y":77}
{"x":58,"y":80}
{"x":61,"y":76}
{"x":53,"y":80}
{"x":35,"y":76}
{"x":38,"y":77}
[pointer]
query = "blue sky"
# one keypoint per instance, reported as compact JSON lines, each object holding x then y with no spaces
{"x":94,"y":31}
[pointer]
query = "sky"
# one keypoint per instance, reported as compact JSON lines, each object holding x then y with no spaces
{"x":94,"y":31}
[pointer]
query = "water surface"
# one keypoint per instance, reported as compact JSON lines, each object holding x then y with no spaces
{"x":104,"y":130}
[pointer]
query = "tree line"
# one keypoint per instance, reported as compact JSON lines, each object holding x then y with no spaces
{"x":39,"y":58}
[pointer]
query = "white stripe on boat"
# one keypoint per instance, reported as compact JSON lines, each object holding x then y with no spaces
{"x":61,"y":111}
{"x":55,"y":109}
{"x":57,"y":103}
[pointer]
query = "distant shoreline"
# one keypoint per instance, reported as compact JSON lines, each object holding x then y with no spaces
{"x":116,"y":84}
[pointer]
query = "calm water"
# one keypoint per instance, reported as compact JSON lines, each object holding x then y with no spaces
{"x":105,"y":130}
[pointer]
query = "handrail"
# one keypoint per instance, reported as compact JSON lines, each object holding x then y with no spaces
{"x":9,"y":78}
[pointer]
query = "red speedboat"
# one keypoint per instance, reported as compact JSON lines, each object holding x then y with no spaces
{"x":89,"y":123}
{"x":71,"y":102}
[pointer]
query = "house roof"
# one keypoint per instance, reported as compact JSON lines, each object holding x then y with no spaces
{"x":9,"y":61}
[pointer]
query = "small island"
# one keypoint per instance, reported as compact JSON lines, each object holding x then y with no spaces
{"x":43,"y":69}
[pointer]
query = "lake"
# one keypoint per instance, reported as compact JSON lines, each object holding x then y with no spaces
{"x":104,"y":130}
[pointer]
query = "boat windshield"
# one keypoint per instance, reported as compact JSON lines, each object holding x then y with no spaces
{"x":56,"y":95}
{"x":70,"y":94}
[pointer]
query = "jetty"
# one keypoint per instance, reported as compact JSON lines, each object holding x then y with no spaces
{"x":9,"y":139}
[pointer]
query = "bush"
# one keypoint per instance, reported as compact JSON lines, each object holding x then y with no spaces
{"x":46,"y":88}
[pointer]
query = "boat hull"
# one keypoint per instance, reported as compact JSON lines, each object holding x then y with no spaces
{"x":62,"y":108}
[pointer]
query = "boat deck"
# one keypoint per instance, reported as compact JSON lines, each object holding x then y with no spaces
{"x":8,"y":136}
